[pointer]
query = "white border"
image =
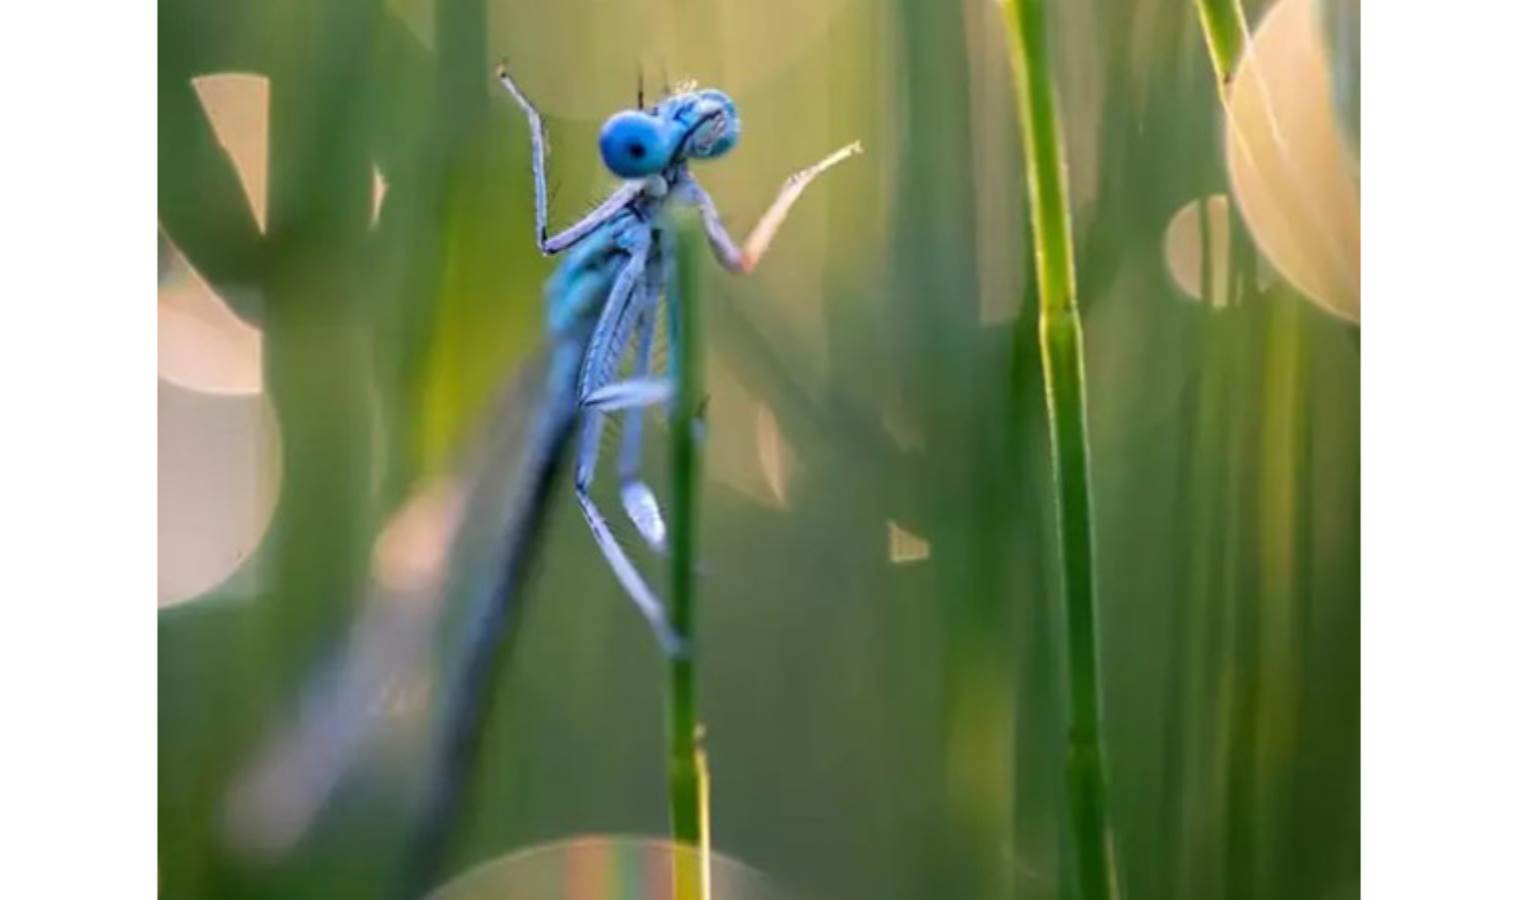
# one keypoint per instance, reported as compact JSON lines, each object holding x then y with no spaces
{"x":77,"y":620}
{"x":1440,"y":633}
{"x":1440,"y":344}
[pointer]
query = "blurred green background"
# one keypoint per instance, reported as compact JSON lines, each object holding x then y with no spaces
{"x":348,"y":279}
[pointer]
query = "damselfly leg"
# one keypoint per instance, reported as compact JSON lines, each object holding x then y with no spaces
{"x":640,"y":391}
{"x":596,"y":218}
{"x":742,"y":261}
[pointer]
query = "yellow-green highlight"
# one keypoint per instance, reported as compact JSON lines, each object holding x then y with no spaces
{"x":1224,"y":28}
{"x":1060,"y":347}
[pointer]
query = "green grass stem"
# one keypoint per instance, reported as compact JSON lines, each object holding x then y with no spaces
{"x":1065,"y":394}
{"x":1226,"y":31}
{"x":686,"y":765}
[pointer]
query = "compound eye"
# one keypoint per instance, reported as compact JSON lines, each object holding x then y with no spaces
{"x":718,"y":133}
{"x":635,"y":144}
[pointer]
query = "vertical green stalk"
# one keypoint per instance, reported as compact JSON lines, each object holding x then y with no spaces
{"x":686,"y":769}
{"x":1224,"y":29}
{"x":1065,"y":393}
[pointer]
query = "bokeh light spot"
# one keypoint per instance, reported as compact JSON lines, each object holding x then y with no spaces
{"x":902,"y":546}
{"x":238,"y":106}
{"x":604,"y":868}
{"x":378,"y":187}
{"x":218,"y":480}
{"x":772,"y":452}
{"x":202,"y":344}
{"x":736,"y":445}
{"x":1184,"y":249}
{"x":412,"y":549}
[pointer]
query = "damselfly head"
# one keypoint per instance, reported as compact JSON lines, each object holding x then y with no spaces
{"x":693,"y":125}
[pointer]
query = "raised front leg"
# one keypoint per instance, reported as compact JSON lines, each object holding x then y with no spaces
{"x":547,"y":244}
{"x":743,"y":261}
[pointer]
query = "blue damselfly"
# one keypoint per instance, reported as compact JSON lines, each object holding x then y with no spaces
{"x":603,"y":303}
